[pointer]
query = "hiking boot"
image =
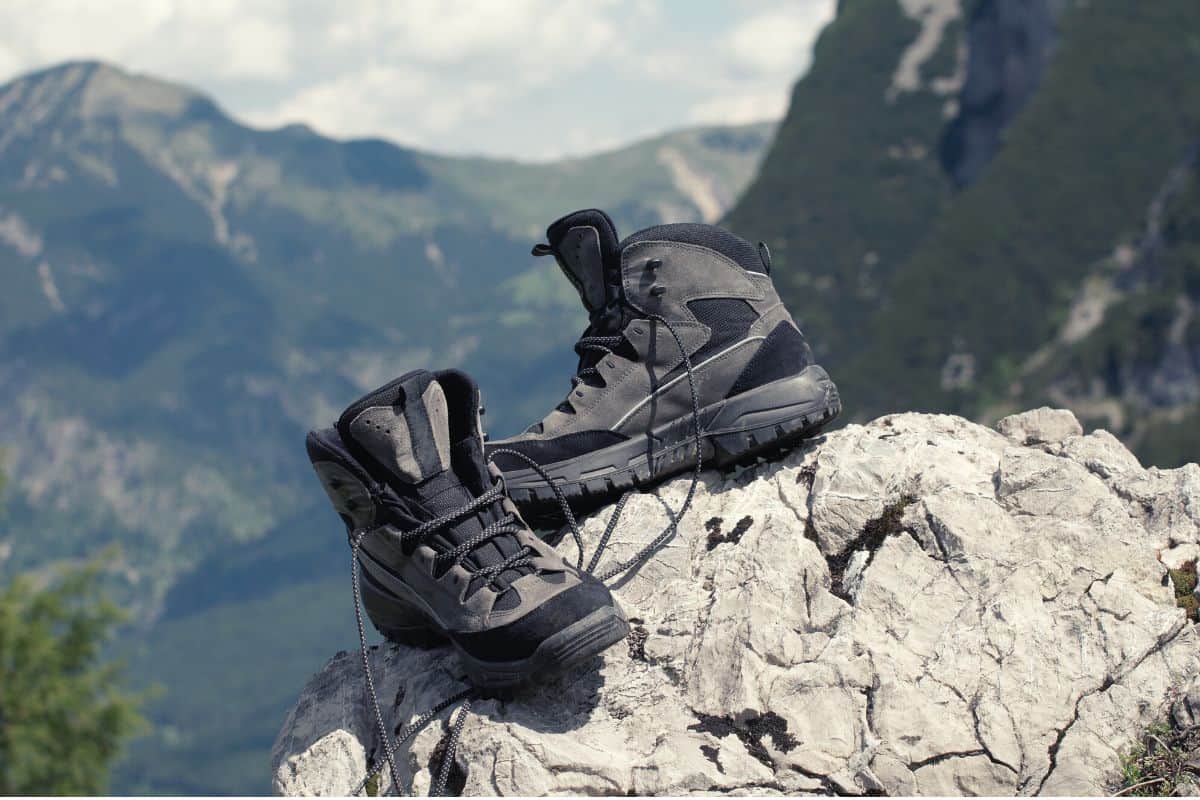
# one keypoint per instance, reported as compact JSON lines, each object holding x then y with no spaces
{"x":627,"y":420}
{"x":441,"y":549}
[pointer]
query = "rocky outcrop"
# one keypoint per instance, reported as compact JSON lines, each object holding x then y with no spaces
{"x":920,"y":605}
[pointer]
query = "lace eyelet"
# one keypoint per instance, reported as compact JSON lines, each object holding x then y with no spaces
{"x":654,"y":263}
{"x":658,"y":291}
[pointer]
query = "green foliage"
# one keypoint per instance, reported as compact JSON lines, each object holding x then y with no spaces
{"x":1184,"y":581}
{"x":64,"y":715}
{"x":1117,"y":109}
{"x":232,"y":671}
{"x":1170,"y":442}
{"x":1162,"y":759}
{"x":1141,"y":327}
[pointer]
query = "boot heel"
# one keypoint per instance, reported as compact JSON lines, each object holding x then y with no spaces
{"x":773,"y":417}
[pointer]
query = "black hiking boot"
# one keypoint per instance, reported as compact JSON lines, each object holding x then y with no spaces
{"x":628,"y":420}
{"x":441,"y":549}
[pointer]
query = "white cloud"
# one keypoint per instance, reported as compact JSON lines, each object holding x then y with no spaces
{"x":169,"y":37}
{"x":528,"y":78}
{"x":9,"y":61}
{"x":766,"y":53}
{"x":258,"y":49}
{"x":451,"y":65}
{"x":411,"y":105}
{"x":780,"y":40}
{"x":741,"y":107}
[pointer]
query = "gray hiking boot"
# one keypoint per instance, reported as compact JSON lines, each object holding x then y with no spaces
{"x":628,"y":418}
{"x":441,"y":550}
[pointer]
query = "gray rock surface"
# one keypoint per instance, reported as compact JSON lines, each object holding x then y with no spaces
{"x":920,"y":605}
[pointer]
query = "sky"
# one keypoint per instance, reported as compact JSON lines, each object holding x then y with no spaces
{"x":527,"y":79}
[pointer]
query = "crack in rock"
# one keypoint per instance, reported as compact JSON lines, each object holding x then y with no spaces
{"x":1109,"y":681}
{"x":869,"y":539}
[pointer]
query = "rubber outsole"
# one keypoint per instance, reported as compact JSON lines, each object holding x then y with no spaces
{"x":736,"y":431}
{"x":402,"y":624}
{"x":571,"y":646}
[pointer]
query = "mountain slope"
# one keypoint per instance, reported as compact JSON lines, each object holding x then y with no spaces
{"x":177,"y":283}
{"x":186,"y":296}
{"x":949,"y":253}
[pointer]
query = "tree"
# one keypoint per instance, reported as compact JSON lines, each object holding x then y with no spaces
{"x":64,"y":713}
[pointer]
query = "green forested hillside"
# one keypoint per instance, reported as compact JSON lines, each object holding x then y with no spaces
{"x":928,"y":294}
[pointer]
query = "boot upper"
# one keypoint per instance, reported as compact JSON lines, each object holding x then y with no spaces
{"x":715,"y":290}
{"x":412,"y":451}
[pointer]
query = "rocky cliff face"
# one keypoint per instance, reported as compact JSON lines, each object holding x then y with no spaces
{"x":917,"y":605}
{"x":1009,"y":45}
{"x":922,"y":203}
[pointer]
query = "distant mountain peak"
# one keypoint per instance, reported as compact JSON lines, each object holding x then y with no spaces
{"x":91,"y":90}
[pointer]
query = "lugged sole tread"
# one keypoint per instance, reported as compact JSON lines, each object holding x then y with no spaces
{"x":569,"y":647}
{"x":722,"y":451}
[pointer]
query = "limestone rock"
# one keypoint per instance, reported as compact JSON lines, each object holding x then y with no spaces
{"x":1040,"y":425}
{"x":920,"y":605}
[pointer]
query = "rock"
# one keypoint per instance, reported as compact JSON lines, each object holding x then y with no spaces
{"x":920,"y":605}
{"x":1185,"y":711}
{"x":1041,"y":425}
{"x":1187,"y":788}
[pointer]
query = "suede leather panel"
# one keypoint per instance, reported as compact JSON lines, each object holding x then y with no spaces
{"x":411,"y":578}
{"x":625,"y":382}
{"x":714,"y":377}
{"x":413,"y":440}
{"x":383,"y":432}
{"x":350,"y":498}
{"x":713,"y":380}
{"x":688,"y":272}
{"x":433,"y":399}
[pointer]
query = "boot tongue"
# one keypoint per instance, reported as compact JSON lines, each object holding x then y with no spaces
{"x":404,"y":427}
{"x":585,"y":244}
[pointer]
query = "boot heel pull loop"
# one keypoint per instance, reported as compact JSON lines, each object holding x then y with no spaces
{"x":764,"y":255}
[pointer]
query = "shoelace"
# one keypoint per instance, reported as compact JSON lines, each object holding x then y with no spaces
{"x":438,"y":787}
{"x":523,"y":556}
{"x":675,"y":517}
{"x":505,"y":525}
{"x":593,"y":344}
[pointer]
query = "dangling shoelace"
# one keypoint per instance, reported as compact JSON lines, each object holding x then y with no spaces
{"x":425,"y":529}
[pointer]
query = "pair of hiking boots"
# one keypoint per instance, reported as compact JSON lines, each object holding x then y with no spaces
{"x":689,"y":357}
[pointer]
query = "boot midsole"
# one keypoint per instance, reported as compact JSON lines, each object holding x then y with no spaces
{"x":581,"y":639}
{"x":807,"y":394}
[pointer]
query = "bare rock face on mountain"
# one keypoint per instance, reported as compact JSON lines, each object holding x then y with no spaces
{"x":920,"y":605}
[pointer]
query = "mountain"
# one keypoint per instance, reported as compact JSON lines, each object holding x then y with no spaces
{"x":987,"y":205}
{"x":185,"y":296}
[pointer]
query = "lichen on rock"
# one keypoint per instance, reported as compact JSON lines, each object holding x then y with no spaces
{"x":917,"y":605}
